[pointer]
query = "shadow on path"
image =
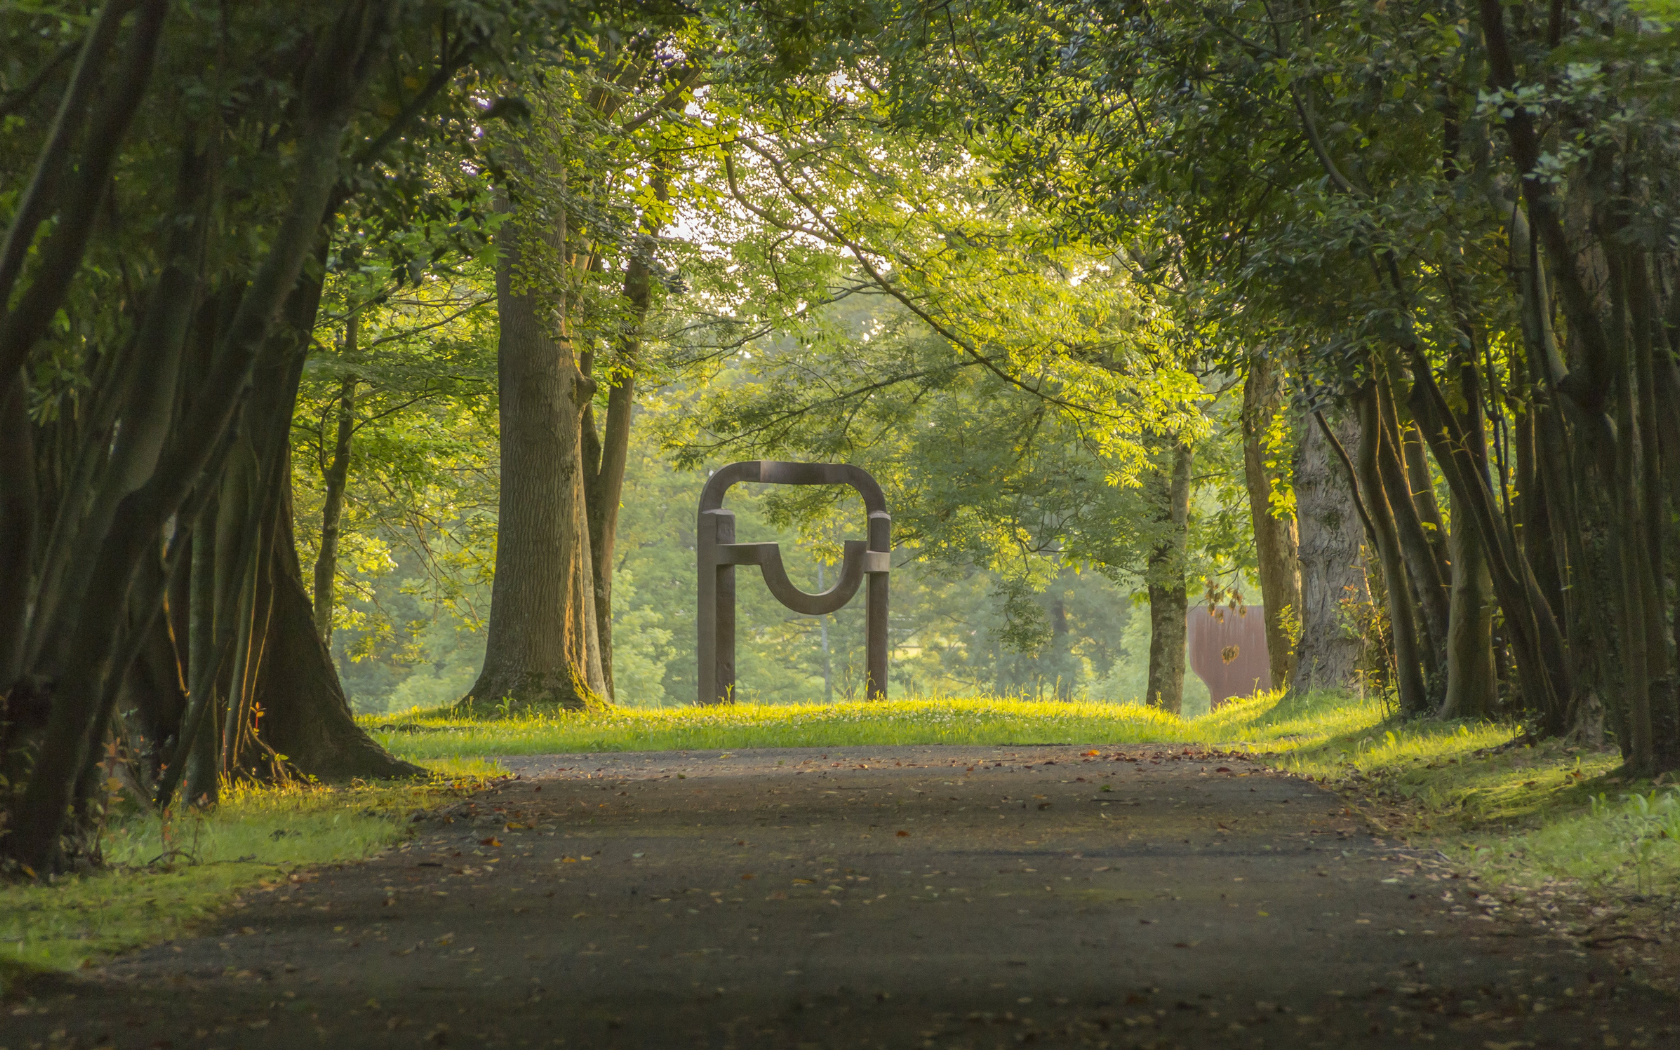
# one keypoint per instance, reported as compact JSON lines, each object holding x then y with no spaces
{"x":867,"y":897}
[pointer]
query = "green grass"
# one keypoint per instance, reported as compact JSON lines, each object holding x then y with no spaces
{"x":1518,"y":813}
{"x":164,"y":876}
{"x":440,"y":734}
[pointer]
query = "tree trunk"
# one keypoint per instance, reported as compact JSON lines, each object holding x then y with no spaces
{"x":1275,"y":538}
{"x":1423,"y":569}
{"x":18,"y":526}
{"x":202,"y":783}
{"x":605,"y":461}
{"x":1329,"y":653}
{"x":88,"y":646}
{"x":543,"y":646}
{"x":1472,"y":673}
{"x":335,"y":477}
{"x":305,"y":715}
{"x":1408,"y":666}
{"x":1472,"y":678}
{"x":1169,"y":598}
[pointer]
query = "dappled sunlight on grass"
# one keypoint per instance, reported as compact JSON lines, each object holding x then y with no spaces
{"x":977,"y":720}
{"x":163,"y":875}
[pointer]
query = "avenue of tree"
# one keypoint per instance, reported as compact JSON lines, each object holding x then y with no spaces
{"x":1373,"y":305}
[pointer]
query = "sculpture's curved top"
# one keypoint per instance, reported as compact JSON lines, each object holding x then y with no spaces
{"x":781,"y":472}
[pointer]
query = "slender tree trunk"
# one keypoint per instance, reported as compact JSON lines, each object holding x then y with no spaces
{"x":18,"y":517}
{"x":1408,"y":659}
{"x":605,"y":461}
{"x":202,"y":783}
{"x":1423,"y":570}
{"x":543,"y":646}
{"x":828,"y":669}
{"x":1275,"y":537}
{"x":1655,"y":527}
{"x":1329,"y":653}
{"x":335,"y":477}
{"x":1169,"y":598}
{"x":1421,"y":484}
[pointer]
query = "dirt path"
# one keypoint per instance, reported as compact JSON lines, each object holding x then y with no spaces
{"x":864,"y":897}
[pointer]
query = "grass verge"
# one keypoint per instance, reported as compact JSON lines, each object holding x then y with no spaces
{"x":164,"y":876}
{"x":1508,"y":810}
{"x":419,"y":735}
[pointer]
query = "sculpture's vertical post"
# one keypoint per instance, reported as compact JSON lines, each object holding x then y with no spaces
{"x":875,"y":615}
{"x":725,"y":615}
{"x":715,"y":608}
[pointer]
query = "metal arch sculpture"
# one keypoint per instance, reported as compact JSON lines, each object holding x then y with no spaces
{"x":718,"y":554}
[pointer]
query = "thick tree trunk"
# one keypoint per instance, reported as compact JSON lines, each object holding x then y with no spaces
{"x":1275,"y":537}
{"x":1472,"y":677}
{"x":543,"y":646}
{"x":1329,"y":653}
{"x":335,"y":477}
{"x":1472,"y":673}
{"x":1169,"y":598}
{"x":1408,"y":660}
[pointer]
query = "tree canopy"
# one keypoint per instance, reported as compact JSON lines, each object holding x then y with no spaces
{"x":365,"y":355}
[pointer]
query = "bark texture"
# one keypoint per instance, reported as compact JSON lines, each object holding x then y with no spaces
{"x":1472,"y":677}
{"x":1329,"y":653}
{"x":1408,"y":653}
{"x":543,"y":646}
{"x":1275,"y":537}
{"x":1169,"y":598}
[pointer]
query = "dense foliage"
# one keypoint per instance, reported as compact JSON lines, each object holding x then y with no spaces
{"x":385,"y":346}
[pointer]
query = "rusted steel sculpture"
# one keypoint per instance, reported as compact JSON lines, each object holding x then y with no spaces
{"x":718,"y":554}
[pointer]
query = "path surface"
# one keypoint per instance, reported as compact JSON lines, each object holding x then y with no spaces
{"x":867,"y":897}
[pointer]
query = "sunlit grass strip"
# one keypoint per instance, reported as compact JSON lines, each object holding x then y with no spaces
{"x":165,"y":876}
{"x":971,"y":721}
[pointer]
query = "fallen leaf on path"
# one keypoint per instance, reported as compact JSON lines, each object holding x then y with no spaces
{"x":904,"y":834}
{"x":491,"y":841}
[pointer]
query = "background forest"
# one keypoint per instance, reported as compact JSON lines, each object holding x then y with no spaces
{"x":376,"y":351}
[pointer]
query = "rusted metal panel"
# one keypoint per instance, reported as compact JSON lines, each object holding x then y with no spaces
{"x":1228,"y":650}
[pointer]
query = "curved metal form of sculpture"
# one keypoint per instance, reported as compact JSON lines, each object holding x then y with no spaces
{"x":718,"y":554}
